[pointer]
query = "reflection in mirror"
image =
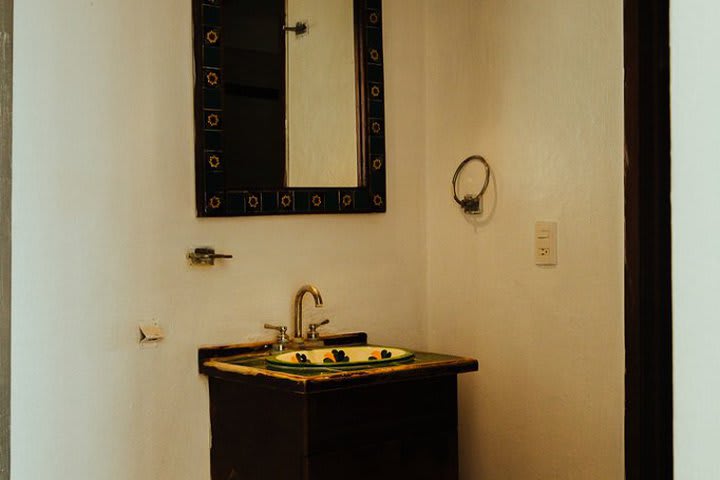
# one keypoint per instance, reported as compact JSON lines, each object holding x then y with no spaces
{"x":321,"y":95}
{"x":252,"y":51}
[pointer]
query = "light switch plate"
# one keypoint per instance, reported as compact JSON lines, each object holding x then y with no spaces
{"x":546,"y":243}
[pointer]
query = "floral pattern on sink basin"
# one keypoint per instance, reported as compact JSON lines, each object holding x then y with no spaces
{"x":340,"y":357}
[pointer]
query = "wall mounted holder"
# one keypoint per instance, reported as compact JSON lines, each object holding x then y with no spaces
{"x":471,"y":204}
{"x":299,"y":28}
{"x":205,"y":256}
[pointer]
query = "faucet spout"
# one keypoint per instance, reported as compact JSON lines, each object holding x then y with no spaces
{"x":313,"y":290}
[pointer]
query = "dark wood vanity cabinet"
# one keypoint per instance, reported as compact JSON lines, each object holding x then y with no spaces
{"x":385,"y":422}
{"x":385,"y":430}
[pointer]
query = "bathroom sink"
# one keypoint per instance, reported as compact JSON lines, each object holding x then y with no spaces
{"x":340,"y":357}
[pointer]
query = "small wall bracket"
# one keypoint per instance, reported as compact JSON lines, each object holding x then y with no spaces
{"x":205,"y":256}
{"x":299,"y":28}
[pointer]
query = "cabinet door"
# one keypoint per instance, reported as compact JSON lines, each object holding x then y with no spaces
{"x":370,"y":415}
{"x":388,"y":431}
{"x":432,"y":456}
{"x":257,"y":433}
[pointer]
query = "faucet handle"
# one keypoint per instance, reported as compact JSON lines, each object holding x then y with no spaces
{"x":312,"y":329}
{"x":282,"y":339}
{"x":273,"y":327}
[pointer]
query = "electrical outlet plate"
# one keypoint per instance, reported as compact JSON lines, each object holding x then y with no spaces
{"x":546,"y":243}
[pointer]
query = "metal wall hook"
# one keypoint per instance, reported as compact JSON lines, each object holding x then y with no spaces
{"x":471,"y":204}
{"x":299,"y":28}
{"x":205,"y":256}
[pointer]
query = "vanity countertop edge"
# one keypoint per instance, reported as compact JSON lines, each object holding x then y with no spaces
{"x":215,"y":362}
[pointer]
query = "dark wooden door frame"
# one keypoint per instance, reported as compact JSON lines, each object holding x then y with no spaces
{"x":648,"y":302}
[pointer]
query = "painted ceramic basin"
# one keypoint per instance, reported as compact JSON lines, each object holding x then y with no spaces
{"x":339,"y":357}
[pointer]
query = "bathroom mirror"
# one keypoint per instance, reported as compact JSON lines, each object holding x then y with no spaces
{"x":289,"y":107}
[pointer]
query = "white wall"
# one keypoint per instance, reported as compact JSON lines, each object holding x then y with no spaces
{"x":104,"y":215}
{"x":696,"y":226}
{"x":537,"y":87}
{"x":5,"y":236}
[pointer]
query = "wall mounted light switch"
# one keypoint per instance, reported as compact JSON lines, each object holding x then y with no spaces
{"x":546,"y":243}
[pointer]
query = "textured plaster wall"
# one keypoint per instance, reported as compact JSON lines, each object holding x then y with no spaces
{"x":695,"y":101}
{"x":103,"y":215}
{"x":537,"y":87}
{"x":5,"y":240}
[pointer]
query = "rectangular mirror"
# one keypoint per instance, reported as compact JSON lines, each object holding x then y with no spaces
{"x":289,"y":107}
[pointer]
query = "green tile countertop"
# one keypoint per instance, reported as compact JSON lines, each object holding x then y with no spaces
{"x":246,"y":363}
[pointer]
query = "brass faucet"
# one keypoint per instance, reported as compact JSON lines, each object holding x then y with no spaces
{"x":298,"y":307}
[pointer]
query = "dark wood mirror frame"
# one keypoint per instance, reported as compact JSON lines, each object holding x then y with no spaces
{"x":216,"y":198}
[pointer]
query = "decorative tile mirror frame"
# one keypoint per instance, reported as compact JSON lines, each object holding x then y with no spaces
{"x":216,"y":197}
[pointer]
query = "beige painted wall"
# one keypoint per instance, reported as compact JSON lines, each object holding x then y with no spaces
{"x":537,"y":87}
{"x":695,"y":76}
{"x":103,"y":215}
{"x":6,"y":24}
